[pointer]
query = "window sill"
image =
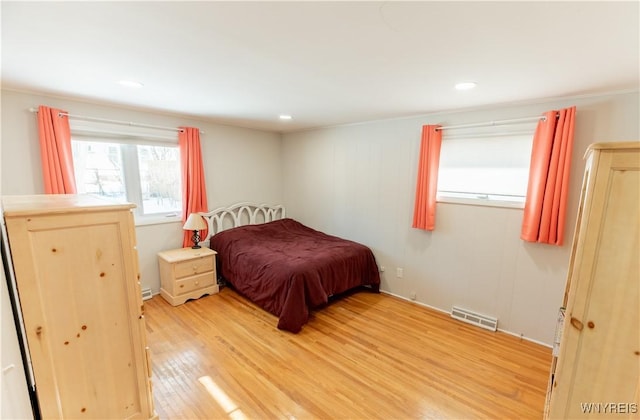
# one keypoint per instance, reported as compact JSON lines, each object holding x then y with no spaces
{"x":155,"y":220}
{"x":481,"y":202}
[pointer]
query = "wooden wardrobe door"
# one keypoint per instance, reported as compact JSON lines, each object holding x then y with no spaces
{"x":78,"y":285}
{"x":599,"y":359}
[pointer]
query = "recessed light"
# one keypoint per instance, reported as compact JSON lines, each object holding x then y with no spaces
{"x":285,"y":117}
{"x":130,"y":84}
{"x":465,"y":85}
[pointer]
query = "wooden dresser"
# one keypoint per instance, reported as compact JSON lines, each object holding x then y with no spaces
{"x":76,"y":271}
{"x":597,"y":371}
{"x":187,"y":273}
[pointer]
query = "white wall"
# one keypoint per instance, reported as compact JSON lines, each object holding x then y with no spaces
{"x":240,"y":164}
{"x":14,"y":397}
{"x":358,"y":181}
{"x":14,"y":402}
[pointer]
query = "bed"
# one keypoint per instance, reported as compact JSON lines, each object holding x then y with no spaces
{"x":283,"y":266}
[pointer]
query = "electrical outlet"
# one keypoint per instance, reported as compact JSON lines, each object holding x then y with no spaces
{"x":413,"y":295}
{"x":382,"y":268}
{"x":399,"y":272}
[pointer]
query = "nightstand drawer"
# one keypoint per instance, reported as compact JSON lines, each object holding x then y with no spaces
{"x":194,"y":266}
{"x":187,"y":273}
{"x":194,"y":283}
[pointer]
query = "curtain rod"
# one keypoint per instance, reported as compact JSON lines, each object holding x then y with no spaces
{"x":492,"y":123}
{"x":132,"y":124}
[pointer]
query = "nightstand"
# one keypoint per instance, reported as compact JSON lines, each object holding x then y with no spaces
{"x":187,"y":273}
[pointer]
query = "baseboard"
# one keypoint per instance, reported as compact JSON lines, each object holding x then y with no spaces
{"x":415,"y":302}
{"x":523,"y":337}
{"x":520,"y":336}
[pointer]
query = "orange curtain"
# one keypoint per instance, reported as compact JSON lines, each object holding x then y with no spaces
{"x":55,"y":151}
{"x":194,"y":191}
{"x":424,"y":211}
{"x":546,"y":202}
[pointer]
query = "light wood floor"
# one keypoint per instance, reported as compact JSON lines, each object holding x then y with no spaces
{"x":363,"y":356}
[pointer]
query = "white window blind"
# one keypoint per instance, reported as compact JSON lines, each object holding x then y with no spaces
{"x":483,"y":167}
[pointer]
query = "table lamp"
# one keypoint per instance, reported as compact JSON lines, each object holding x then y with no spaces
{"x":196,"y":223}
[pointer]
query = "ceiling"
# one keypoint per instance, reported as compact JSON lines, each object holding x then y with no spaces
{"x":323,"y":63}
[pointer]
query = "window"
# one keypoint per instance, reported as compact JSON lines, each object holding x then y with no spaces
{"x":159,"y":168}
{"x":146,"y":174}
{"x":486,"y":169}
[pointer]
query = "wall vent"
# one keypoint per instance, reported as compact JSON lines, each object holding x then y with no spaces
{"x":481,"y":321}
{"x":146,"y":294}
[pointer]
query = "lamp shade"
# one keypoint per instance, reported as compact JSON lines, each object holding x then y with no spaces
{"x":195,"y":222}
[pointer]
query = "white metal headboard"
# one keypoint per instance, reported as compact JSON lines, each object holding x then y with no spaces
{"x":241,"y":214}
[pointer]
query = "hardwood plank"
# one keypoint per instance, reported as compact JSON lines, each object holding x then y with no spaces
{"x":364,"y":355}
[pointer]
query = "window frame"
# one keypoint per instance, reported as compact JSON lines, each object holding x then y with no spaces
{"x":484,"y":134}
{"x":485,"y":202}
{"x":131,"y":171}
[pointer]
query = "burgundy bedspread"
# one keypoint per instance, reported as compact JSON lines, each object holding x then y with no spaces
{"x":288,"y":268}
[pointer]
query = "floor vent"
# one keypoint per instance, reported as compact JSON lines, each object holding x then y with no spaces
{"x":481,"y":321}
{"x":146,"y":294}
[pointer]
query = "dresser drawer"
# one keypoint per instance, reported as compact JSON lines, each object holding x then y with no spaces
{"x":194,"y":283}
{"x":194,"y":266}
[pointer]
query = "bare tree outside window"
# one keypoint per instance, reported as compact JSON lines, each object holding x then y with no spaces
{"x":99,"y":169}
{"x":148,"y":175}
{"x":159,"y":178}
